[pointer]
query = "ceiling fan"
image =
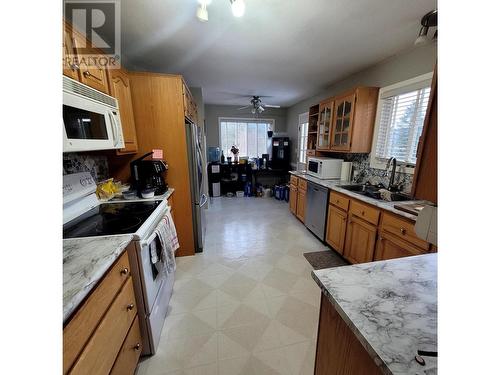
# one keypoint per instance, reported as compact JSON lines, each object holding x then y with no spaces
{"x":257,"y":105}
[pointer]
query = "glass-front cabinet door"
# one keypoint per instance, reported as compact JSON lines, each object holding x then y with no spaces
{"x":324,"y":125}
{"x":342,"y":123}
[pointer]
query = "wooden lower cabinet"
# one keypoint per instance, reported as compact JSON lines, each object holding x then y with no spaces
{"x":301,"y":204}
{"x":130,"y":352}
{"x":360,"y":240}
{"x":391,"y":247}
{"x":338,"y":351}
{"x":293,"y":199}
{"x":336,"y":228}
{"x":99,"y":335}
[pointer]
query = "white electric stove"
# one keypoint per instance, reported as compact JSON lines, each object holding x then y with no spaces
{"x":85,"y":216}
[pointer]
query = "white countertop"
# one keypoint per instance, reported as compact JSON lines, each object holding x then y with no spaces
{"x":336,"y":185}
{"x":391,"y":307}
{"x":85,"y":261}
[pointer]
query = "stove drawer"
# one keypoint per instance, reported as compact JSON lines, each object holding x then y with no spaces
{"x":81,"y":326}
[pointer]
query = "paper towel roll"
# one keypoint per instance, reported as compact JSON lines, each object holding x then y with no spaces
{"x":345,"y":172}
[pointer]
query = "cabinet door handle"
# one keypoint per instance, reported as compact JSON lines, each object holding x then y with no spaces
{"x":363,"y":213}
{"x":403,"y":231}
{"x":124,"y":271}
{"x":137,"y":346}
{"x":130,"y":306}
{"x":87,"y":74}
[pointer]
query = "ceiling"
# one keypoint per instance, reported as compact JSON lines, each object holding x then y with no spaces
{"x":285,"y":49}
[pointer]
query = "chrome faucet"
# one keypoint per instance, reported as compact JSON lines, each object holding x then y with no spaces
{"x":391,"y":186}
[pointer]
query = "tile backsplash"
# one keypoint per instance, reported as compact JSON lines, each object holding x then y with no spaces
{"x":361,"y":165}
{"x":97,"y":165}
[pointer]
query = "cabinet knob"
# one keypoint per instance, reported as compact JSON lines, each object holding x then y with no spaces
{"x":86,"y":74}
{"x":130,"y":306}
{"x":137,"y":346}
{"x":124,"y":271}
{"x":74,"y":67}
{"x":363,"y":213}
{"x":338,"y":201}
{"x":403,"y":231}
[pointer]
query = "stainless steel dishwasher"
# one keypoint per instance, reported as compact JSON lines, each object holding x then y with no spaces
{"x":316,"y":206}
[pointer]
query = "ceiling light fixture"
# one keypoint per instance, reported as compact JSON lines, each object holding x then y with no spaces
{"x":237,"y":7}
{"x":429,"y":20}
{"x":202,"y":13}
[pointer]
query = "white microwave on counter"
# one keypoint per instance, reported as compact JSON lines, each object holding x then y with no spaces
{"x":91,"y":119}
{"x":324,"y":168}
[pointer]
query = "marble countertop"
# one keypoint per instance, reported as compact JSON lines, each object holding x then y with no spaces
{"x":336,"y":185}
{"x":85,"y":261}
{"x":391,"y":307}
{"x":165,"y":195}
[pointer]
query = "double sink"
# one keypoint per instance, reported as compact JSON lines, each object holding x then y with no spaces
{"x":372,"y":191}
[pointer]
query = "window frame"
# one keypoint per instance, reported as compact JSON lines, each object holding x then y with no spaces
{"x":299,"y":149}
{"x":378,"y":163}
{"x":243,"y":119}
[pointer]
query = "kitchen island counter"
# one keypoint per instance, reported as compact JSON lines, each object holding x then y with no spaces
{"x":390,"y":307}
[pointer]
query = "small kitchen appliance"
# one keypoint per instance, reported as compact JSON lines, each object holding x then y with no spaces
{"x":91,"y":119}
{"x":149,"y":174}
{"x":324,"y":168}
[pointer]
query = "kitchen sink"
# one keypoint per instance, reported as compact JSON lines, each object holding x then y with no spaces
{"x":372,"y":191}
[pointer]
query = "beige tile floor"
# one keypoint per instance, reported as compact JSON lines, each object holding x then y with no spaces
{"x":247,"y":305}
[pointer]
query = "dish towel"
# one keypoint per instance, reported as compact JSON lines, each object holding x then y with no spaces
{"x":169,"y":242}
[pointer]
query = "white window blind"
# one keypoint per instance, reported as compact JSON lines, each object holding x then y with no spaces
{"x":401,"y":122}
{"x":248,"y":135}
{"x":303,"y":129}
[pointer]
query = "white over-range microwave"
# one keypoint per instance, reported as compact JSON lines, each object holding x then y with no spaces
{"x":91,"y":119}
{"x":324,"y":168}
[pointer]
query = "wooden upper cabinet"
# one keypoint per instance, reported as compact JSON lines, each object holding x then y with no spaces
{"x":353,"y":120}
{"x":324,"y":124}
{"x":120,"y":89}
{"x":70,"y":66}
{"x":360,"y":241}
{"x":342,"y":120}
{"x":425,"y":178}
{"x":190,"y":107}
{"x":90,"y":72}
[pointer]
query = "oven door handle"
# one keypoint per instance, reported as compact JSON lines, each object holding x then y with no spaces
{"x":149,"y":240}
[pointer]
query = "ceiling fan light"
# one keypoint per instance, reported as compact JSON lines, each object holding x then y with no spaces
{"x":237,"y":7}
{"x":202,"y":13}
{"x":422,"y":36}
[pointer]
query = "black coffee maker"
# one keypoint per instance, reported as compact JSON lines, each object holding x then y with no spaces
{"x":149,"y":174}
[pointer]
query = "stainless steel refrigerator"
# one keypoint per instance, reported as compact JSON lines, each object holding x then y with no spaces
{"x":199,"y":198}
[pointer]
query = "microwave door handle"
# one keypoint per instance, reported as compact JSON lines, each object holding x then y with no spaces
{"x":113,"y":128}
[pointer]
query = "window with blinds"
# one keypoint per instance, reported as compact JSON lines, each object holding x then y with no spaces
{"x":248,"y":135}
{"x":303,"y":129}
{"x":401,"y":119}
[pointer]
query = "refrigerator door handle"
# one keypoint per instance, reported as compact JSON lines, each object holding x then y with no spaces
{"x":204,"y":200}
